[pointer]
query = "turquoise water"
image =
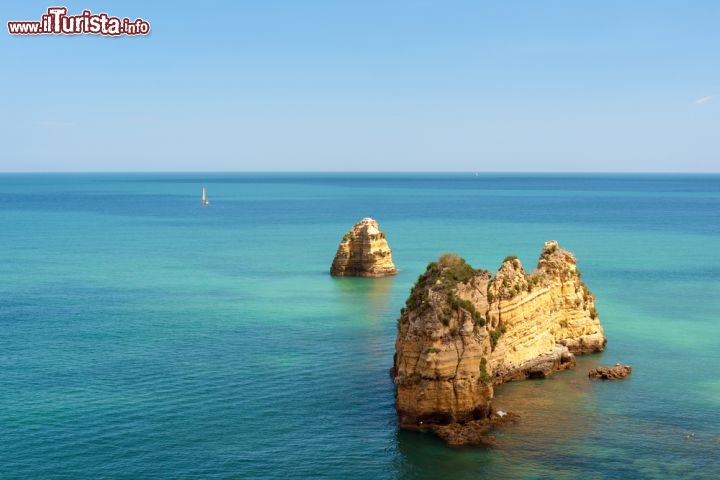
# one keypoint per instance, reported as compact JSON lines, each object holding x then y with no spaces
{"x":142,"y":336}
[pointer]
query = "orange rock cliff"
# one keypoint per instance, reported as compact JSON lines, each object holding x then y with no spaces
{"x":363,"y":252}
{"x":464,"y":331}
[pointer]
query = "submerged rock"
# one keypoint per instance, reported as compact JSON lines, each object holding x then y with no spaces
{"x":363,"y":252}
{"x":474,"y":432}
{"x":614,"y":372}
{"x":463,"y":331}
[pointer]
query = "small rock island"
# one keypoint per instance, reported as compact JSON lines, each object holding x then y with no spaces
{"x":463,"y":331}
{"x":614,"y":372}
{"x":363,"y":252}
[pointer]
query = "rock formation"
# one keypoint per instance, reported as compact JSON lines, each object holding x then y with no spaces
{"x":474,"y":432}
{"x":363,"y":252}
{"x":463,"y":331}
{"x":615,"y":372}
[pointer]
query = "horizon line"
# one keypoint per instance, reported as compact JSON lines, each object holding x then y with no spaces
{"x":361,"y":172}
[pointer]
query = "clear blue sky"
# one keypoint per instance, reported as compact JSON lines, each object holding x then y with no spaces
{"x":554,"y":85}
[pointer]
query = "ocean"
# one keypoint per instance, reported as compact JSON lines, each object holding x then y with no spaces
{"x":143,"y":336}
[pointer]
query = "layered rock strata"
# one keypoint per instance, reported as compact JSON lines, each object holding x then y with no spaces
{"x":464,"y":330}
{"x":363,"y":252}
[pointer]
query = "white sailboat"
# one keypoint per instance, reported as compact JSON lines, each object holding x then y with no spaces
{"x":205,"y":202}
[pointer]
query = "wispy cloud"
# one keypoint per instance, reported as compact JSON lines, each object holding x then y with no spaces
{"x":704,"y":100}
{"x":54,"y":124}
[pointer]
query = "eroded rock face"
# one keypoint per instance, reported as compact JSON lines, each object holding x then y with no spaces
{"x":363,"y":252}
{"x":463,"y":331}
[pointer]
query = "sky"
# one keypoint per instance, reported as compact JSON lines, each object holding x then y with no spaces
{"x":371,"y":85}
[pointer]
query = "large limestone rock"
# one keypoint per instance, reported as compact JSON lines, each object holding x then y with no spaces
{"x":363,"y":252}
{"x":463,"y":331}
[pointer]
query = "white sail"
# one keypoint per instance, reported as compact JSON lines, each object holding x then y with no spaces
{"x":204,"y":200}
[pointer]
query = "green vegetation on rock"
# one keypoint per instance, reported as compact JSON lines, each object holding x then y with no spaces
{"x":442,"y":277}
{"x":459,"y":303}
{"x":495,"y":335}
{"x":484,"y":375}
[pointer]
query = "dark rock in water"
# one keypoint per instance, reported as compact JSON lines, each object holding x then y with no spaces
{"x":473,"y":432}
{"x":615,"y":372}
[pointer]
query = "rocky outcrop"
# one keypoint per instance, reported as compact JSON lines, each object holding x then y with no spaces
{"x":474,"y":432}
{"x":615,"y":372}
{"x":464,"y":331}
{"x":363,"y":252}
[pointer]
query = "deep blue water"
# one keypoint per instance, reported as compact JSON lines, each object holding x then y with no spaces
{"x":142,"y":336}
